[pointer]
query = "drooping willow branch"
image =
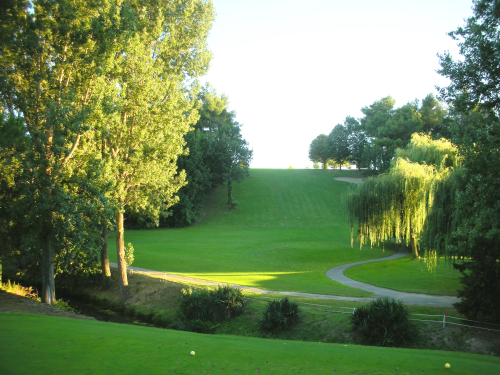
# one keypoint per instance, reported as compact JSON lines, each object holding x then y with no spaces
{"x":413,"y":201}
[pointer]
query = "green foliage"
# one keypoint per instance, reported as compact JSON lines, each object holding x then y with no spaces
{"x":397,"y":204}
{"x":475,"y":78}
{"x":129,"y":254}
{"x":214,"y":306}
{"x":371,"y":141}
{"x":217,"y":154}
{"x":279,"y":316}
{"x":51,"y":61}
{"x":338,"y":146}
{"x":384,"y":322}
{"x":319,"y":152}
{"x":474,"y":94}
{"x":63,"y":305}
{"x":474,"y":244}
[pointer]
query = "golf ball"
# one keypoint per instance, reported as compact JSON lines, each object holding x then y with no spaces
{"x":192,"y":352}
{"x":447,"y":365}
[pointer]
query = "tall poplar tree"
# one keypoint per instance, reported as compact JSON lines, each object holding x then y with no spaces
{"x":50,"y":57}
{"x":149,"y":104}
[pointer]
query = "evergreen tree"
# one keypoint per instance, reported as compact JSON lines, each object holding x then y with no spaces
{"x":148,"y":105}
{"x":474,"y":93}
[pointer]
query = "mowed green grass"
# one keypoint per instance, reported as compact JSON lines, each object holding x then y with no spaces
{"x":287,"y":229}
{"x":36,"y":344}
{"x":409,"y":275}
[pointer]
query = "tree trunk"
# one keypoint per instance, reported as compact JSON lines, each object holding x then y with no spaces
{"x":230,"y":192}
{"x":48,"y":283}
{"x":120,"y":256}
{"x":106,"y":272}
{"x":413,"y":243}
{"x":414,"y":250}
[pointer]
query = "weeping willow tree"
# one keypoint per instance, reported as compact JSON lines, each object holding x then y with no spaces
{"x":407,"y":203}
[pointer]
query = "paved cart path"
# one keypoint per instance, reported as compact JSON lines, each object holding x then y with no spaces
{"x":336,"y":274}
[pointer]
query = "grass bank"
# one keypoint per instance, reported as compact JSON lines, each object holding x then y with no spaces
{"x":409,"y":275}
{"x":47,"y":345}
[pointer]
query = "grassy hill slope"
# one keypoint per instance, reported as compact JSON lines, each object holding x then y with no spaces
{"x":285,"y":232}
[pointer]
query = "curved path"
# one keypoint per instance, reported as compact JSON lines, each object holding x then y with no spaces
{"x":336,"y":274}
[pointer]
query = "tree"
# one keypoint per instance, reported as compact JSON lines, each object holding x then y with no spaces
{"x":475,"y":79}
{"x":338,"y":146}
{"x":148,"y":105}
{"x":358,"y":144}
{"x":395,"y":205}
{"x":376,"y":116}
{"x":229,"y":155}
{"x":50,"y":87}
{"x":474,"y":93}
{"x":388,"y":128}
{"x":318,"y":151}
{"x":435,"y":118}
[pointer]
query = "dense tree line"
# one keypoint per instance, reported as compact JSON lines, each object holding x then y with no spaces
{"x":95,"y":100}
{"x":443,"y":197}
{"x":371,"y":141}
{"x":216,"y":154}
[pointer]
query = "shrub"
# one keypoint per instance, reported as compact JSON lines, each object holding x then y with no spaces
{"x":161,"y":319}
{"x":384,"y":322}
{"x":216,"y":305}
{"x":278,"y":316}
{"x":18,"y":289}
{"x":64,"y":305}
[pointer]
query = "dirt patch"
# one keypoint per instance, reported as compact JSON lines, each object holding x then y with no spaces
{"x":352,"y":180}
{"x":15,"y":303}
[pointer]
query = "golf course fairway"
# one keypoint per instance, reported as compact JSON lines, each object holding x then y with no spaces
{"x":287,"y":229}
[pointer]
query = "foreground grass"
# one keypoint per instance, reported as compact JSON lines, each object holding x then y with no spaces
{"x":286,"y":231}
{"x":409,"y":275}
{"x":47,"y":345}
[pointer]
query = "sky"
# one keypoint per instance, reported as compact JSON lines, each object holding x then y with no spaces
{"x":293,"y":69}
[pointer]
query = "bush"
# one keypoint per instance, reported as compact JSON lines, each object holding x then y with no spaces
{"x":384,"y":322}
{"x":63,"y":305}
{"x":279,"y":316}
{"x":216,"y":305}
{"x":161,"y":319}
